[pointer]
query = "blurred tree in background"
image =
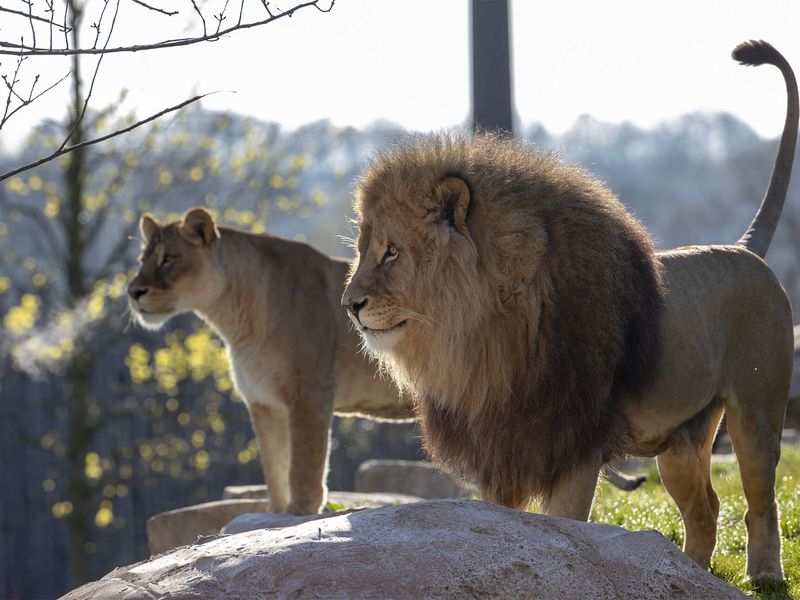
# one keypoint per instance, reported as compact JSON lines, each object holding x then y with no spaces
{"x":103,"y":425}
{"x":68,"y":236}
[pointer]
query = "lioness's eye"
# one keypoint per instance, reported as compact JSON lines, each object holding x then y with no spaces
{"x":168,"y":260}
{"x":389,"y":255}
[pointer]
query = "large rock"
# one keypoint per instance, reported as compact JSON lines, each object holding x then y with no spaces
{"x":183,"y":526}
{"x":347,"y":501}
{"x":434,"y":549}
{"x":414,"y":477}
{"x":357,"y":499}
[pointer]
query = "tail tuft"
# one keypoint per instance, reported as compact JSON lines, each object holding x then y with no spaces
{"x":756,"y":52}
{"x":759,"y":235}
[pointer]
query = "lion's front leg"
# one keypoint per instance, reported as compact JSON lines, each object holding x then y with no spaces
{"x":572,"y":496}
{"x":271,"y":426}
{"x":309,"y":425}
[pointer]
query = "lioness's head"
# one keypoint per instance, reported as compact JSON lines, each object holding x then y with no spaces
{"x":177,"y":272}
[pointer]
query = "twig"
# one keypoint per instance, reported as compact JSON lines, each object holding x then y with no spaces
{"x":31,"y":98}
{"x":30,"y":19}
{"x":66,"y":30}
{"x":221,"y":17}
{"x":42,"y":19}
{"x":96,"y":26}
{"x":52,"y":11}
{"x":80,"y":117}
{"x":8,"y":48}
{"x":11,"y":91}
{"x":102,"y":138}
{"x":202,"y":18}
{"x":154,"y":9}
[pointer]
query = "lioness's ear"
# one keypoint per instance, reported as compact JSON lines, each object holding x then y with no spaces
{"x":198,"y":227}
{"x":148,"y":225}
{"x":455,"y":196}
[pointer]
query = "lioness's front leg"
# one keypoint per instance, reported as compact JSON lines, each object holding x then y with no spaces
{"x":271,"y":426}
{"x":309,"y":426}
{"x":572,"y":495}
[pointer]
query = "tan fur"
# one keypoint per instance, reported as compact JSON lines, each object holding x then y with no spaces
{"x":292,"y":351}
{"x":498,"y":249}
{"x":541,"y":335}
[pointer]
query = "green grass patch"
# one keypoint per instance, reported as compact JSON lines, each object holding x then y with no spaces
{"x":651,"y":507}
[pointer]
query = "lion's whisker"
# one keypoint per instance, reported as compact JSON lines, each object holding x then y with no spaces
{"x":413,"y":315}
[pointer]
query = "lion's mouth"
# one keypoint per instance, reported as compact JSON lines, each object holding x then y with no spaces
{"x":377,"y":332}
{"x":149,"y":318}
{"x":147,"y":312}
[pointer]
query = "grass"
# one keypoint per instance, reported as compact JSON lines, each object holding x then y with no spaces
{"x":650,"y":507}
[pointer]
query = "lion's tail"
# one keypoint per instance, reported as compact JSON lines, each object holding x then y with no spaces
{"x":759,"y":235}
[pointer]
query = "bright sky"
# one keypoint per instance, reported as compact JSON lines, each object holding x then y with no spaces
{"x":407,"y":61}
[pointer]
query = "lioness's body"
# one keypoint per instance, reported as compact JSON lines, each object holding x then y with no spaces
{"x":292,"y":351}
{"x":541,"y":333}
{"x":271,"y":353}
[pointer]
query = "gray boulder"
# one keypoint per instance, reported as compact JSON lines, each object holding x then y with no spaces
{"x":434,"y":549}
{"x":184,"y":526}
{"x":414,"y":477}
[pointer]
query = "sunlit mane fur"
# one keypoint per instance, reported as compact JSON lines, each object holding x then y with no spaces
{"x":549,"y":296}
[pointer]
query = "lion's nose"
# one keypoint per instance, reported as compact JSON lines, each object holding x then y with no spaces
{"x":355,"y":307}
{"x":136,"y":291}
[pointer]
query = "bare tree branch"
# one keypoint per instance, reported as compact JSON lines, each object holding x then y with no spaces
{"x":30,"y":19}
{"x":34,"y":17}
{"x":10,"y":85}
{"x":82,"y":114}
{"x":91,"y":142}
{"x":200,"y":14}
{"x":31,"y":98}
{"x":7,"y":48}
{"x":17,"y":99}
{"x":154,"y":9}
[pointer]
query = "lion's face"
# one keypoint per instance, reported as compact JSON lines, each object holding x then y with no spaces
{"x":380,"y":302}
{"x":391,"y":291}
{"x":176,"y":273}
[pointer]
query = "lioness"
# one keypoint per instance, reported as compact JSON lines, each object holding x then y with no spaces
{"x":541,"y":335}
{"x":293,"y":354}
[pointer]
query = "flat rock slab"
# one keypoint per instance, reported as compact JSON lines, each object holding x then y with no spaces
{"x":183,"y":526}
{"x":348,"y":499}
{"x":420,"y":478}
{"x":434,"y":549}
{"x":252,"y":521}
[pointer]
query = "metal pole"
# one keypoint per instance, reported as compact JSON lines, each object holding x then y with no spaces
{"x":491,"y":66}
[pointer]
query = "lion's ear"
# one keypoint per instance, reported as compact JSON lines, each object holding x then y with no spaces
{"x":198,"y":227}
{"x":455,"y":196}
{"x":148,"y":225}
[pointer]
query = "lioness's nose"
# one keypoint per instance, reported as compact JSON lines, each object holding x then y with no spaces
{"x":136,"y":291}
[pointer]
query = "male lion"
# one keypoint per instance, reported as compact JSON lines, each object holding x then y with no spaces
{"x":292,"y":351}
{"x":541,"y":335}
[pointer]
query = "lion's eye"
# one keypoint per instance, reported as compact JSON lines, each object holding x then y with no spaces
{"x":389,"y":255}
{"x":168,"y":260}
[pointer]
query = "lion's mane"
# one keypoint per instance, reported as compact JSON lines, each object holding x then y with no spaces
{"x":546,"y":302}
